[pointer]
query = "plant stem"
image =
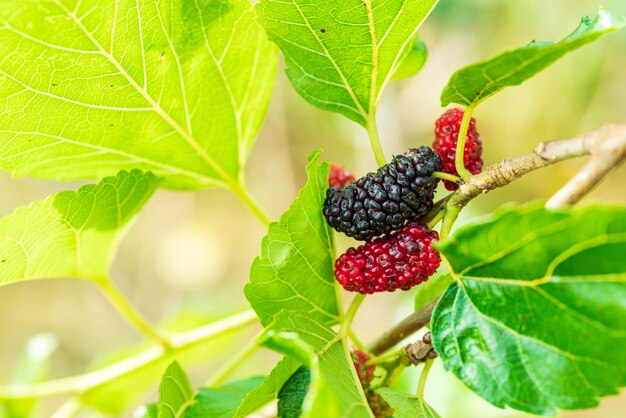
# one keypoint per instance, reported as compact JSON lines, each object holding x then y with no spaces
{"x":428,"y":363}
{"x":126,"y":309}
{"x":346,"y":322}
{"x":395,"y":374}
{"x":459,"y":159}
{"x":403,"y":329}
{"x":449,"y":217}
{"x":392,"y":355}
{"x":355,"y":339}
{"x":446,"y":176}
{"x":83,"y":383}
{"x":372,"y":132}
{"x":231,"y":365}
{"x":244,"y":195}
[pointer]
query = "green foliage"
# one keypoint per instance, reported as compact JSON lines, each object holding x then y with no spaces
{"x":335,"y":390}
{"x":175,"y":392}
{"x":407,"y":406}
{"x":223,"y":401}
{"x":339,"y":58}
{"x":535,"y":318}
{"x":413,"y":60}
{"x":71,"y":234}
{"x":32,"y":367}
{"x":295,"y":269}
{"x":157,"y":86}
{"x":292,"y":394}
{"x":475,"y":83}
{"x":269,"y":389}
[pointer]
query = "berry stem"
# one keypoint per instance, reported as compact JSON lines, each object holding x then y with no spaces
{"x":355,"y":339}
{"x":449,"y":217}
{"x":372,"y":132}
{"x":392,"y":355}
{"x":127,"y":310}
{"x":244,"y":195}
{"x":459,"y":160}
{"x":395,"y":375}
{"x":346,"y":322}
{"x":446,"y":176}
{"x":422,"y":383}
{"x":231,"y":365}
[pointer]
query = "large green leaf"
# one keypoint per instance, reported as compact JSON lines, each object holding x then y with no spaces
{"x":474,"y":83}
{"x":536,"y":318}
{"x":175,"y":392}
{"x":340,"y":56}
{"x":268,"y":390}
{"x":292,"y":394}
{"x":90,"y":87}
{"x":407,"y":406}
{"x":223,"y":401}
{"x":295,"y":269}
{"x":335,"y":390}
{"x":72,"y":234}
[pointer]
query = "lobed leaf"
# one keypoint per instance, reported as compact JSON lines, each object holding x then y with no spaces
{"x":535,"y":317}
{"x":340,"y":57}
{"x":406,"y":406}
{"x":473,"y":84}
{"x":175,"y":87}
{"x":175,"y":392}
{"x":72,"y":234}
{"x":334,"y":390}
{"x":295,"y":269}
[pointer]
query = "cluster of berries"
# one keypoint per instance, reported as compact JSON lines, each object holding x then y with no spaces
{"x":379,"y":407}
{"x":382,"y":208}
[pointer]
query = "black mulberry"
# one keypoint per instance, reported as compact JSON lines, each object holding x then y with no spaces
{"x":382,"y":202}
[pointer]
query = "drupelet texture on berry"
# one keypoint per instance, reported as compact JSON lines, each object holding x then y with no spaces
{"x":338,"y":177}
{"x":398,"y":261}
{"x":446,"y":135}
{"x":382,"y":202}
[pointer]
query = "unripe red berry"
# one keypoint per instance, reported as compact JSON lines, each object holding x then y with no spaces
{"x":446,"y":134}
{"x":338,"y":177}
{"x":400,"y":260}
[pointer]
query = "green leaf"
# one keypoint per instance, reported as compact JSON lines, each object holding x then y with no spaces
{"x":295,"y":269}
{"x":269,"y":389}
{"x":223,"y":401}
{"x":339,"y":58}
{"x":474,"y":83}
{"x":148,"y":411}
{"x":292,"y":394}
{"x":175,"y":392}
{"x":71,"y":234}
{"x":33,"y":367}
{"x":535,"y":318}
{"x":428,"y":291}
{"x":175,"y":87}
{"x":335,"y":390}
{"x":407,"y":406}
{"x":413,"y":60}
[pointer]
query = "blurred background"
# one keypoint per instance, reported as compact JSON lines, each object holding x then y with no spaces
{"x":187,"y":257}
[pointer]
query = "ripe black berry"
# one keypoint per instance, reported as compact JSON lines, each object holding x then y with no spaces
{"x":382,"y":202}
{"x":398,"y":261}
{"x":446,"y":135}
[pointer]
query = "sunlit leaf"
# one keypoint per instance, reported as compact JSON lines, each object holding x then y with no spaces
{"x":339,"y":57}
{"x":72,"y":234}
{"x":175,"y":392}
{"x":474,"y":83}
{"x":536,"y":316}
{"x":335,"y":389}
{"x":295,"y":269}
{"x":407,"y":406}
{"x":90,"y":87}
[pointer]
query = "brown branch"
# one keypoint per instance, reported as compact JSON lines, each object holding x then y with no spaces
{"x":403,"y":329}
{"x":607,"y":148}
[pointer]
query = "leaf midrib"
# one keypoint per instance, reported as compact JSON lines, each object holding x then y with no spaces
{"x":225,"y":177}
